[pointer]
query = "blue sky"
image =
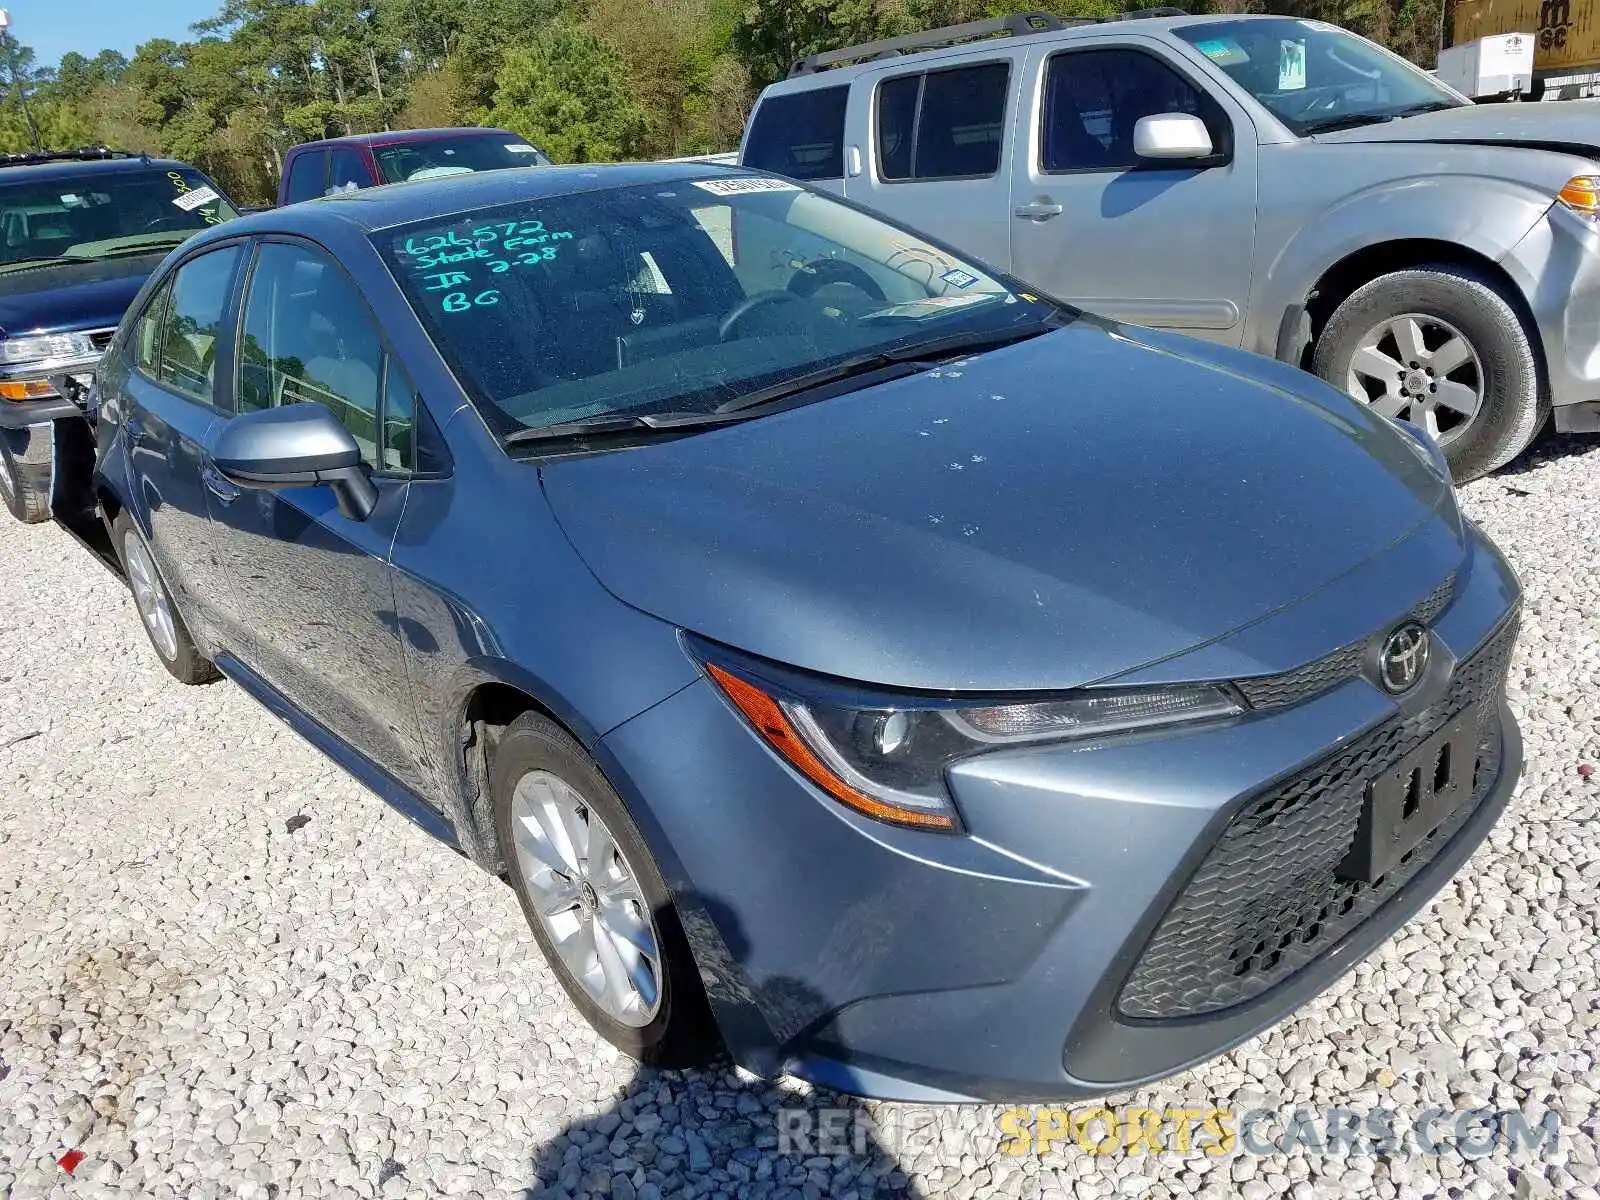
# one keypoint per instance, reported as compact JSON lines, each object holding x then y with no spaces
{"x":53,"y":27}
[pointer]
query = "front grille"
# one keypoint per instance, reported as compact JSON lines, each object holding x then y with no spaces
{"x":1267,"y":900}
{"x":1302,"y":683}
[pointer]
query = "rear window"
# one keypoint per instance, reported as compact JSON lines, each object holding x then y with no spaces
{"x":308,"y":176}
{"x":943,"y":124}
{"x":429,"y":158}
{"x":800,"y":135}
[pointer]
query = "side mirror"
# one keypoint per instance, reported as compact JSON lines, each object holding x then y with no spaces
{"x":1172,"y":137}
{"x":298,"y":445}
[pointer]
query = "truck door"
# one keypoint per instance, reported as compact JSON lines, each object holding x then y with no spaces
{"x":1167,"y":245}
{"x":931,"y":148}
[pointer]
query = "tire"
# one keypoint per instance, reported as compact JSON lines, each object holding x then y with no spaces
{"x":1448,"y":301}
{"x":552,"y":769}
{"x":25,"y":474}
{"x":168,"y":634}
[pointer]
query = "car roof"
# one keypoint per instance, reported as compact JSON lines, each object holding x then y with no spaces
{"x":1133,"y":24}
{"x":400,"y":137}
{"x":79,"y":168}
{"x":392,"y":204}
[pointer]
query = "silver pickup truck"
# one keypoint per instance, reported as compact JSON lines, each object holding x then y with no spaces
{"x":1266,"y":182}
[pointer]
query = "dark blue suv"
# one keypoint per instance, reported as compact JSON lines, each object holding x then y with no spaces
{"x":80,"y":231}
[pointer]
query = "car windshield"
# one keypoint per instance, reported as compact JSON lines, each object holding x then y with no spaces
{"x":105,"y":213}
{"x":1314,"y":77}
{"x":685,"y":297}
{"x":428,"y":158}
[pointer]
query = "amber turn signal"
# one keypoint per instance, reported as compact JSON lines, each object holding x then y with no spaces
{"x":27,"y":389}
{"x":1582,"y":195}
{"x":770,"y":721}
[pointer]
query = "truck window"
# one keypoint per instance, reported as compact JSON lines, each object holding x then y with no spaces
{"x":1094,"y":98}
{"x":942,"y":124}
{"x":308,"y":176}
{"x":800,"y":135}
{"x":348,"y":170}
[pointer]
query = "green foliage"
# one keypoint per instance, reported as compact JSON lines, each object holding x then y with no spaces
{"x":568,"y":92}
{"x":586,"y":79}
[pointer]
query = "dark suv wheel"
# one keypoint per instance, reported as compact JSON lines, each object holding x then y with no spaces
{"x":25,"y":473}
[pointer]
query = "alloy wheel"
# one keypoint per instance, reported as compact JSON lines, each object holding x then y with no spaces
{"x":149,"y":597}
{"x":1421,"y":369}
{"x":587,"y":897}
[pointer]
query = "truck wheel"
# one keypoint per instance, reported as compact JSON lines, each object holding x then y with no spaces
{"x":595,"y":899}
{"x":1441,"y":347}
{"x":162,"y":622}
{"x":25,"y":473}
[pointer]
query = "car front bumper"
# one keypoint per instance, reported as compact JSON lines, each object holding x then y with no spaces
{"x":1014,"y":961}
{"x":1557,"y":267}
{"x":68,"y":381}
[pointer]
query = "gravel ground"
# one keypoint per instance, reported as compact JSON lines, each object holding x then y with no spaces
{"x":228,"y":970}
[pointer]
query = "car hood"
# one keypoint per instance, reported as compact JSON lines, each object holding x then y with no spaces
{"x":1572,"y":126}
{"x":70,"y":297}
{"x":1043,"y":516}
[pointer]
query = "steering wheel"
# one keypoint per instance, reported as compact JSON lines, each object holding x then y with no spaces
{"x":824,"y":272}
{"x":153,"y":222}
{"x":758,"y":300}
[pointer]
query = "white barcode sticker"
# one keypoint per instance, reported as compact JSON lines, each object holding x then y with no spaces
{"x":738,"y":187}
{"x":520,"y":148}
{"x":193,"y":199}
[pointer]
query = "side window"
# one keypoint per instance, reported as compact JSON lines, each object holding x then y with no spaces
{"x":192,"y":324}
{"x":943,"y":124}
{"x":800,"y":135}
{"x":348,"y":171}
{"x":1094,"y":98}
{"x":147,"y":333}
{"x":307,"y":335}
{"x":308,"y":176}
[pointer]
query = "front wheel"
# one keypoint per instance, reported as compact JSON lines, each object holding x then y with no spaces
{"x":1443,"y":348}
{"x":595,"y":898}
{"x":25,"y":473}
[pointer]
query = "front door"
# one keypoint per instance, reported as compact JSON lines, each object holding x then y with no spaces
{"x":170,"y":403}
{"x":312,"y":607}
{"x":1168,"y":246}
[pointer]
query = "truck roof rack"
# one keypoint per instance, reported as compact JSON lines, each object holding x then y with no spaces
{"x":81,"y":154}
{"x":1015,"y":25}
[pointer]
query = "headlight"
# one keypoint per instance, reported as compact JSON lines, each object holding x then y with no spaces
{"x":39,"y":347}
{"x":889,"y":760}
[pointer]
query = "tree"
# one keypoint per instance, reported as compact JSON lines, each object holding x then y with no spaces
{"x":16,"y":60}
{"x":568,"y":93}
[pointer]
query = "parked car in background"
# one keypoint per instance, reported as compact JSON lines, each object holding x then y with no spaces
{"x":935,"y":690}
{"x":1264,"y":182}
{"x":79,"y":232}
{"x":367,"y":159}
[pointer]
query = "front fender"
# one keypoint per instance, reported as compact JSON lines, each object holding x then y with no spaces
{"x":1483,"y":214}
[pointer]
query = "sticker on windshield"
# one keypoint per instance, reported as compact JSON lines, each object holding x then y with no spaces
{"x":520,"y":148}
{"x":959,"y":278}
{"x":1225,"y":52}
{"x":1291,"y":65}
{"x":193,"y":199}
{"x":738,"y":187}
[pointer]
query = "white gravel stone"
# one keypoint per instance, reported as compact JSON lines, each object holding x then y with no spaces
{"x":207,"y":1004}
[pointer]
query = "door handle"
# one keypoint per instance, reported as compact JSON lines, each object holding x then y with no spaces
{"x":217,"y":484}
{"x":1039,"y":210}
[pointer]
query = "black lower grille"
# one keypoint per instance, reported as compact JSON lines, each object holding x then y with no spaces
{"x":1269,"y":898}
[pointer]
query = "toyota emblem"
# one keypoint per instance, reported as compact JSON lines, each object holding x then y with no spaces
{"x":1404,"y":658}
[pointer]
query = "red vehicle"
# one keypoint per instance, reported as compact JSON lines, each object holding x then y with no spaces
{"x":366,"y":159}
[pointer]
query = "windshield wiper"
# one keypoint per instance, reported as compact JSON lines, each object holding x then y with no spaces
{"x":51,"y":260}
{"x":607,"y":424}
{"x":1353,"y":120}
{"x":1427,"y":106}
{"x":886,"y":365}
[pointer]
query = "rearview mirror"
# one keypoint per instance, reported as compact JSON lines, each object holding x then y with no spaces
{"x":298,"y":445}
{"x":1171,"y":136}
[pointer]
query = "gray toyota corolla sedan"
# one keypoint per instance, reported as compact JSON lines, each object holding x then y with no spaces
{"x":845,"y":652}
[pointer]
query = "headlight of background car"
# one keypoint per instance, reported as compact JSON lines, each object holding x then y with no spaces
{"x":889,"y":762}
{"x":42,"y":346}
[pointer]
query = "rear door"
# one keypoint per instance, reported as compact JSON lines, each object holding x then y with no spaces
{"x":172,"y":405}
{"x":1169,"y":246}
{"x":938,"y":149}
{"x":312,"y":600}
